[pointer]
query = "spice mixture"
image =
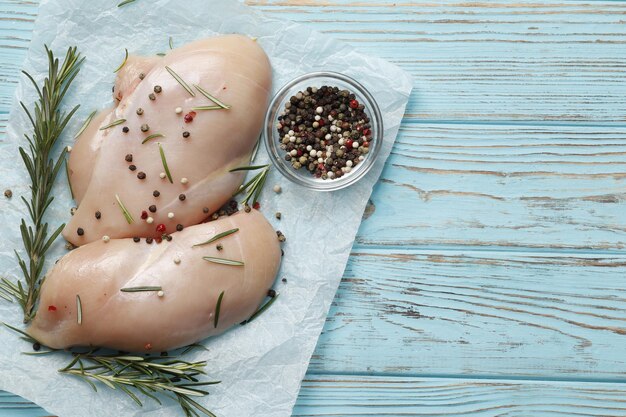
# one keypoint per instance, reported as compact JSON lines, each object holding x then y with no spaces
{"x":325,"y":131}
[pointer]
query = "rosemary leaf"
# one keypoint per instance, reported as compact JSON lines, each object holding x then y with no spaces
{"x":261,"y":310}
{"x":112,"y":124}
{"x":125,"y":2}
{"x":248,"y":168}
{"x":67,"y":175}
{"x":218,"y":306}
{"x":153,"y":136}
{"x":124,"y":61}
{"x":222,"y":261}
{"x":127,"y":215}
{"x":180,"y":81}
{"x":207,"y":108}
{"x":140,"y":289}
{"x":211,"y":97}
{"x":160,"y":54}
{"x":85,"y":124}
{"x":79,"y":310}
{"x":171,"y":42}
{"x":164,"y":161}
{"x":217,"y":237}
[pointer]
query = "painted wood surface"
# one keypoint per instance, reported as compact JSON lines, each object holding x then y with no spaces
{"x":489,"y":274}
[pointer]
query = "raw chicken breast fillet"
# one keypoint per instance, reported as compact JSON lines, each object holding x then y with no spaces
{"x":144,"y":321}
{"x":233,"y":69}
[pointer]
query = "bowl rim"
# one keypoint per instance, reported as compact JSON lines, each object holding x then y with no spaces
{"x":301,"y":178}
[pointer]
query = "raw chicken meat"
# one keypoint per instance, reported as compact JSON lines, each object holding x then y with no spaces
{"x":144,"y":321}
{"x":233,"y":69}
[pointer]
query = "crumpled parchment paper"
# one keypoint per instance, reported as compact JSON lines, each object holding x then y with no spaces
{"x":261,"y":364}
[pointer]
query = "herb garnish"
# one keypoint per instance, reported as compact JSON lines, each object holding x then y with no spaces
{"x":217,"y":237}
{"x":261,"y":310}
{"x":248,"y":168}
{"x":171,"y":42}
{"x":79,"y":310}
{"x":114,"y":123}
{"x":180,"y":81}
{"x":48,"y":123}
{"x":207,"y":108}
{"x":222,"y":261}
{"x":85,"y":124}
{"x":165,"y":167}
{"x":217,"y":309}
{"x":253,"y":187}
{"x":125,"y":2}
{"x":211,"y":97}
{"x":67,"y":175}
{"x":125,"y":212}
{"x":140,"y":289}
{"x":123,"y":62}
{"x":153,"y":136}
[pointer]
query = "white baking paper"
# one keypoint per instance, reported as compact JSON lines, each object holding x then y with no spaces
{"x":262,"y":364}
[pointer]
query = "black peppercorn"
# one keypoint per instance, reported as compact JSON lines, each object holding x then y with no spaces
{"x":152,"y":208}
{"x":98,"y":215}
{"x":80,"y":231}
{"x":205,"y":210}
{"x":271,"y":293}
{"x":141,"y":175}
{"x":179,"y":227}
{"x":139,"y":111}
{"x":156,"y":193}
{"x":129,"y":157}
{"x":132,"y":167}
{"x":185,"y":134}
{"x":149,"y":240}
{"x":219,"y":246}
{"x":141,"y":76}
{"x":182,"y":197}
{"x":145,"y":127}
{"x":151,"y":96}
{"x":36,"y":346}
{"x":125,"y":129}
{"x":136,"y":239}
{"x":157,"y":89}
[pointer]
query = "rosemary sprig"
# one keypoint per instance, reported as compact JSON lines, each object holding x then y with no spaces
{"x":218,"y":306}
{"x":261,"y":310}
{"x":85,"y":124}
{"x":79,"y":310}
{"x":152,"y":136}
{"x":217,"y":237}
{"x":48,"y":122}
{"x":180,"y":81}
{"x":253,"y":187}
{"x":125,"y":212}
{"x":248,"y":168}
{"x":222,"y":261}
{"x":125,"y":2}
{"x":136,"y":375}
{"x":211,"y":97}
{"x":112,"y":124}
{"x":164,"y":161}
{"x":123,"y":62}
{"x":141,"y":289}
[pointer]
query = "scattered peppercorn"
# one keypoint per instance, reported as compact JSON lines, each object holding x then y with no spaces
{"x":73,"y":210}
{"x":125,"y":129}
{"x":80,"y":231}
{"x":151,"y":96}
{"x":188,"y":118}
{"x":129,"y":157}
{"x":36,"y":346}
{"x":149,"y":240}
{"x":145,"y":127}
{"x":185,"y":134}
{"x":271,"y":293}
{"x":98,"y":215}
{"x":179,"y":227}
{"x":136,"y":239}
{"x":182,"y":197}
{"x":205,"y":210}
{"x":141,"y":175}
{"x":156,"y":193}
{"x":256,"y":205}
{"x":279,"y":215}
{"x":152,"y":208}
{"x":247,"y":208}
{"x":132,"y":167}
{"x":284,"y":279}
{"x":141,"y":76}
{"x":167,"y":237}
{"x":144,"y":215}
{"x":219,"y":246}
{"x":157,"y":89}
{"x":282,"y":252}
{"x":160,"y":227}
{"x":281,"y":237}
{"x":139,"y":111}
{"x":8,"y":193}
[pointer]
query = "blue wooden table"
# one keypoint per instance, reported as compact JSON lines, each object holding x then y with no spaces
{"x":489,"y":275}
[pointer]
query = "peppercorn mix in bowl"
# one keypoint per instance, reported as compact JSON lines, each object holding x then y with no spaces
{"x":323,"y":131}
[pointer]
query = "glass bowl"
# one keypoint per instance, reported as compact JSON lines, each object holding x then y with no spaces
{"x":272,"y":138}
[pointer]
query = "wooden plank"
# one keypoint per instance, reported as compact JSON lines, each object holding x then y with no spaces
{"x":339,"y":396}
{"x":559,"y":187}
{"x":463,"y":313}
